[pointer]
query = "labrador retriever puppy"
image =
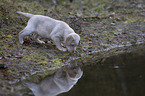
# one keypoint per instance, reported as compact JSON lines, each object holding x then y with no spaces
{"x":47,"y":27}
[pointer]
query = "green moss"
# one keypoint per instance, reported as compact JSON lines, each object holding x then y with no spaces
{"x":104,"y":34}
{"x":65,"y":56}
{"x":34,"y":57}
{"x":114,"y":31}
{"x":129,"y":21}
{"x":88,"y":47}
{"x":104,"y":45}
{"x":96,"y":35}
{"x":13,"y":59}
{"x":13,"y":71}
{"x":56,"y":62}
{"x":43,"y":63}
{"x":9,"y":36}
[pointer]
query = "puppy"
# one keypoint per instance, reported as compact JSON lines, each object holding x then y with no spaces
{"x":47,"y":27}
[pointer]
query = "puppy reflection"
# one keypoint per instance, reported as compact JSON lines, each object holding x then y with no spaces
{"x":61,"y":81}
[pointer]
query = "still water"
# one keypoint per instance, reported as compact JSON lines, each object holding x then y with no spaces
{"x":120,"y":75}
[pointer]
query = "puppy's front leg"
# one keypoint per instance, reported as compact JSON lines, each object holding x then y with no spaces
{"x":37,"y":39}
{"x":57,"y":42}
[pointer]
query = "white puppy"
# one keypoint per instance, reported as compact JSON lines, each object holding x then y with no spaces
{"x":47,"y":27}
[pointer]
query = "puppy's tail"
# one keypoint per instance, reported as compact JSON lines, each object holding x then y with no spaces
{"x":26,"y":14}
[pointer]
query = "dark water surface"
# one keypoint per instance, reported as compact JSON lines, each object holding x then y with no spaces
{"x":121,"y":75}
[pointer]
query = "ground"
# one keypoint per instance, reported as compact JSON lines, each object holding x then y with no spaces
{"x":106,"y":28}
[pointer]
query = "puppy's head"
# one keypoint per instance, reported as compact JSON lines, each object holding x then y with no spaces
{"x":71,"y":42}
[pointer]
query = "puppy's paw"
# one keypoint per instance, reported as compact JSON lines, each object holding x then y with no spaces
{"x":21,"y":42}
{"x":41,"y":42}
{"x":63,"y":49}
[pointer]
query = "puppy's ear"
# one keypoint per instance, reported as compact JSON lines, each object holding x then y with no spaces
{"x":69,"y":40}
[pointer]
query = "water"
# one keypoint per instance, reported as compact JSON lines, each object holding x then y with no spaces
{"x":122,"y":75}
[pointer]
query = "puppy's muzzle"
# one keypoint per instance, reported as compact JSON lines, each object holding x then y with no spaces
{"x":71,"y":49}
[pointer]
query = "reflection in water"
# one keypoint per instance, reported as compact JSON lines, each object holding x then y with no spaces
{"x":121,"y":77}
{"x":61,"y":81}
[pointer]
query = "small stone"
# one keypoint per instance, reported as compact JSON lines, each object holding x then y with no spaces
{"x":116,"y":67}
{"x":113,"y":24}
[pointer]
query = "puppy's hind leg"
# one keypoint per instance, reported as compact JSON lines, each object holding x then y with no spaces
{"x":23,"y":33}
{"x":21,"y":36}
